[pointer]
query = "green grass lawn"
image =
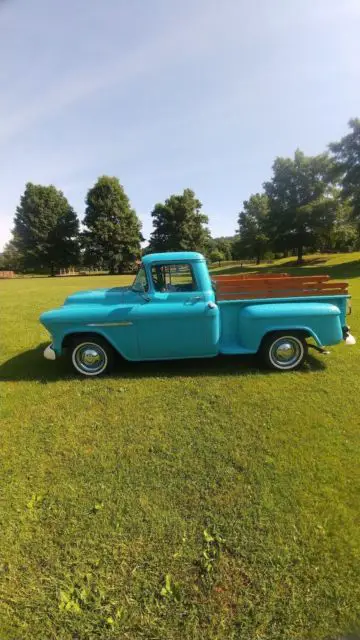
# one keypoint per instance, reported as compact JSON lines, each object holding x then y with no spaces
{"x":202,"y":499}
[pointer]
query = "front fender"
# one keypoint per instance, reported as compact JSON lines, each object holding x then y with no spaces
{"x":125,"y":345}
{"x":116,"y":325}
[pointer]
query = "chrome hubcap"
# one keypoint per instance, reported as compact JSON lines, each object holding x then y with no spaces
{"x":286,"y":352}
{"x":90,"y":358}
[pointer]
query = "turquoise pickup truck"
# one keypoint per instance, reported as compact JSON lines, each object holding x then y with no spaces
{"x":175,"y":310}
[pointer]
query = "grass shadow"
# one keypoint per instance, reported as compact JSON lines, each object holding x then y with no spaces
{"x":346,"y":270}
{"x":31,"y":366}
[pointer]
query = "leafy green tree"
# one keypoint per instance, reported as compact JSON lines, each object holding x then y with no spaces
{"x":112,"y":233}
{"x":179,"y":224}
{"x":224,"y":245}
{"x":46,"y":229}
{"x":344,"y":235}
{"x":217,"y":256}
{"x":300,"y":207}
{"x":346,"y":154}
{"x":253,"y":240}
{"x":10,"y":258}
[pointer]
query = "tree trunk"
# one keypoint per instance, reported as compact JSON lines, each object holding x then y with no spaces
{"x":257,"y":259}
{"x":112,"y":267}
{"x":300,"y":254}
{"x":52,"y":270}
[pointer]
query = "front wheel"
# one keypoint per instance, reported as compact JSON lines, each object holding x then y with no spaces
{"x":284,"y":352}
{"x":91,"y":356}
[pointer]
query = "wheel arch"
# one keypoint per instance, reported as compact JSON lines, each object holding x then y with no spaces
{"x":69,"y":338}
{"x":304,"y":332}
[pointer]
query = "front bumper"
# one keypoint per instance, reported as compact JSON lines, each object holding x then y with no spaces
{"x":49,"y":353}
{"x":348,"y":337}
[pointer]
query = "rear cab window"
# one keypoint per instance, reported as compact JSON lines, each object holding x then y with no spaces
{"x":175,"y":278}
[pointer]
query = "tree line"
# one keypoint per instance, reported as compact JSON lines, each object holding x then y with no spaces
{"x":310,"y":203}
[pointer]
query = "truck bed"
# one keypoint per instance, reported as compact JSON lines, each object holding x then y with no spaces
{"x":271,"y":285}
{"x":252,"y":305}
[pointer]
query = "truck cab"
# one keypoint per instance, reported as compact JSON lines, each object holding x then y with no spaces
{"x":174,"y":310}
{"x":180,"y":317}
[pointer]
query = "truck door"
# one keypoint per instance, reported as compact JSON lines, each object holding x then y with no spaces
{"x":177,"y":322}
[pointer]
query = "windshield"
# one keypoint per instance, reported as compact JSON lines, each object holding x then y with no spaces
{"x":140,"y":283}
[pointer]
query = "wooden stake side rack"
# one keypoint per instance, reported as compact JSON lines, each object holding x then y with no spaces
{"x":275,"y":285}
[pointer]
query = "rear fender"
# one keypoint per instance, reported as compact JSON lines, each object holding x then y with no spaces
{"x":318,"y":320}
{"x":306,"y":331}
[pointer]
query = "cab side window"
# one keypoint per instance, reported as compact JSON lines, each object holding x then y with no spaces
{"x":173,"y":277}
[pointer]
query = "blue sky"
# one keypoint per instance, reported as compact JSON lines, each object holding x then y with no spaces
{"x":168,"y":94}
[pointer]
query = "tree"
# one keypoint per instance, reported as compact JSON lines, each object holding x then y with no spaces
{"x":10,"y":258}
{"x":300,"y":203}
{"x":253,"y":239}
{"x":224,"y":245}
{"x":216,"y":256}
{"x":346,"y":154}
{"x":46,"y":229}
{"x":112,"y":233}
{"x":179,"y":224}
{"x":343,"y":235}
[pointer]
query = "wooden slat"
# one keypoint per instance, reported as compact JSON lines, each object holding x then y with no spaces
{"x":266,"y":286}
{"x":240,"y":282}
{"x":276,"y":286}
{"x":331,"y":287}
{"x":284,"y":292}
{"x":323,"y":278}
{"x":236,"y":276}
{"x":270,"y":285}
{"x":336,"y":285}
{"x":279,"y":294}
{"x":296,"y":290}
{"x":244,"y":276}
{"x":276,"y":282}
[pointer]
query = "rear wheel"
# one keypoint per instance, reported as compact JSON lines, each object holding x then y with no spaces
{"x":91,"y":356}
{"x":284,"y":351}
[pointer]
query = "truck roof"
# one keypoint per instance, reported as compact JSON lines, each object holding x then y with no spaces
{"x":172,"y":256}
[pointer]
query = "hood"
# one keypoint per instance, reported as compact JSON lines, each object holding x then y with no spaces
{"x":92,"y":305}
{"x":112,"y":296}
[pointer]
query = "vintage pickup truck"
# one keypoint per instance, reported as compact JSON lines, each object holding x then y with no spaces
{"x":175,"y":310}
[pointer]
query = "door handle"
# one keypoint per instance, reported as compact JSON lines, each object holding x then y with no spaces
{"x":194,"y":299}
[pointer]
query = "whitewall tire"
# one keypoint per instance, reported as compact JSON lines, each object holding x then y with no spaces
{"x":91,"y":357}
{"x":284,"y":351}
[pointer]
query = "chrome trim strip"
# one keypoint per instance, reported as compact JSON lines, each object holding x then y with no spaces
{"x":109,"y":324}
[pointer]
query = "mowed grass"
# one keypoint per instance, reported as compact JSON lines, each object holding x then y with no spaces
{"x":202,"y":499}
